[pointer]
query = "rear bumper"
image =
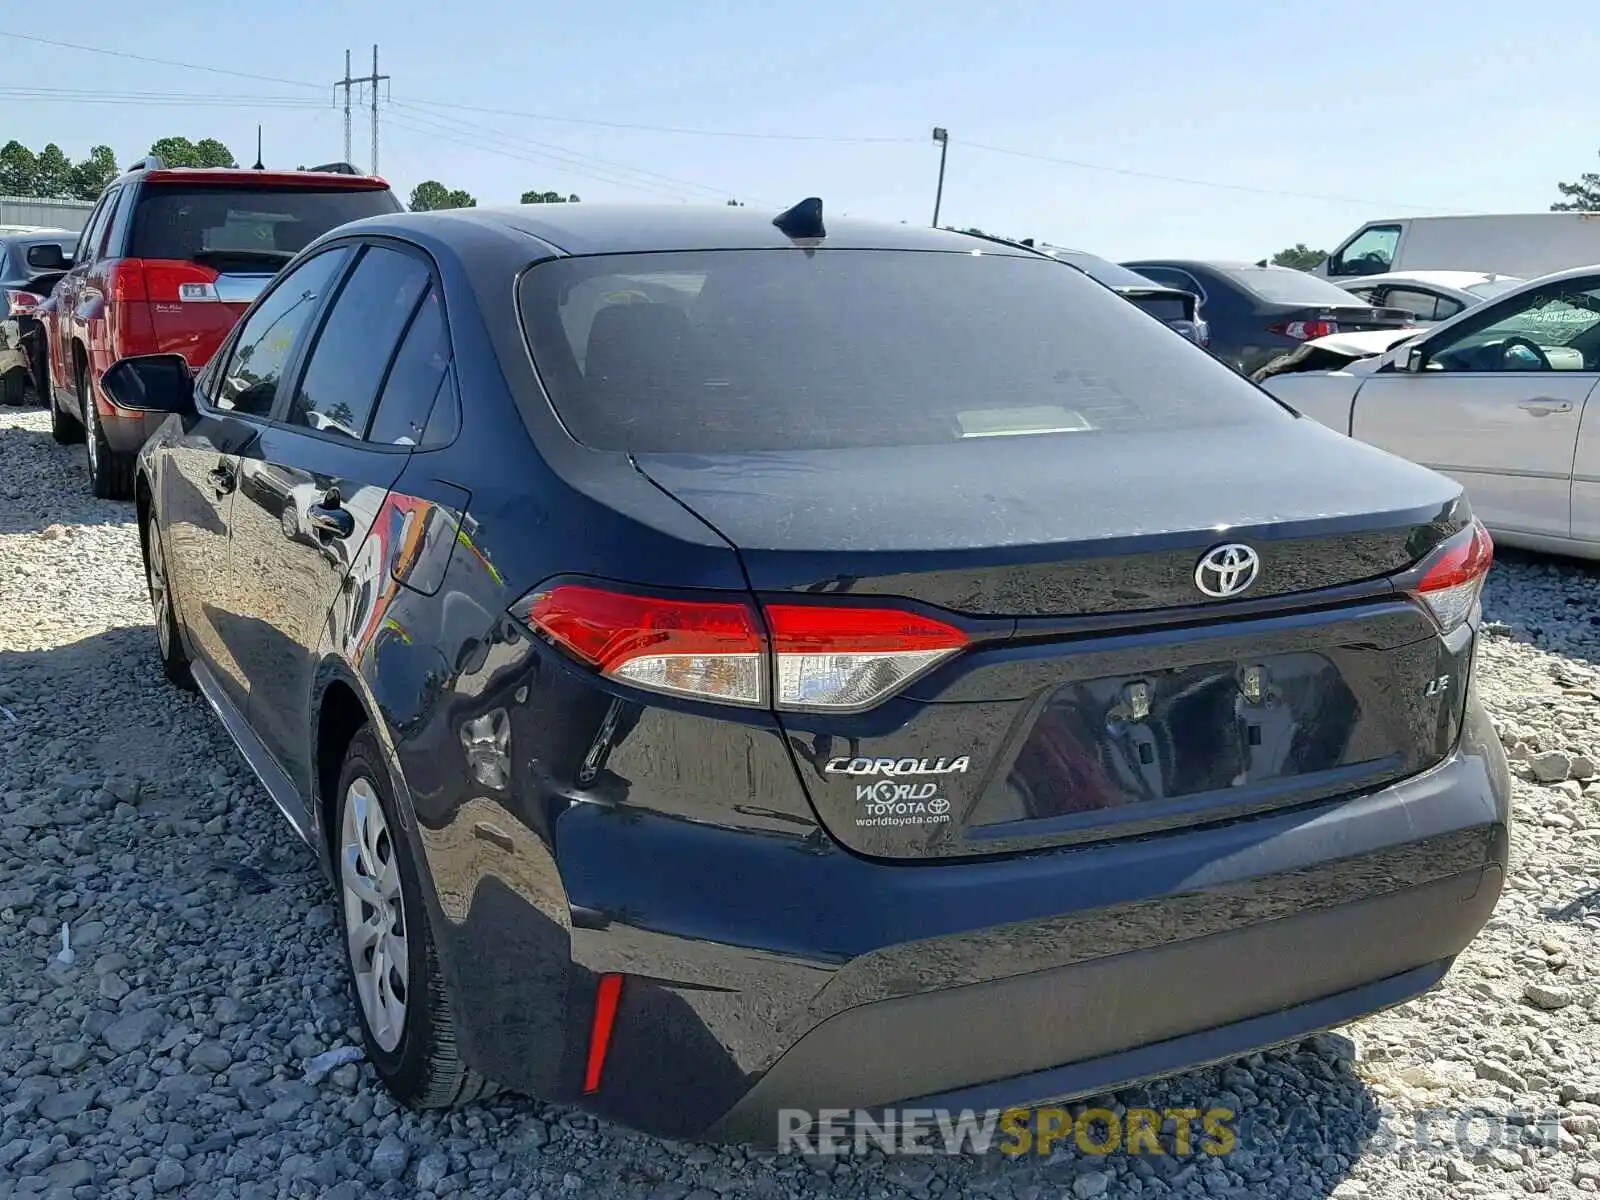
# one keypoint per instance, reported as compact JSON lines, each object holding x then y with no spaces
{"x":125,"y":431}
{"x":765,"y":973}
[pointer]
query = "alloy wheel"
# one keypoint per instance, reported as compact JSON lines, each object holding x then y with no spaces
{"x":160,"y":595}
{"x":91,"y":428}
{"x":374,"y":914}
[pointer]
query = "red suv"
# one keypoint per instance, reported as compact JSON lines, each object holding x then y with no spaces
{"x":169,"y":260}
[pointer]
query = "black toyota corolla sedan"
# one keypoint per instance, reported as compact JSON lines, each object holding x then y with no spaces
{"x":731,"y":663}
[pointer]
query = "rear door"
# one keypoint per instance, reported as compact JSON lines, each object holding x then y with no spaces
{"x":235,"y":399}
{"x":69,"y":331}
{"x":1498,"y":405}
{"x":314,"y":483}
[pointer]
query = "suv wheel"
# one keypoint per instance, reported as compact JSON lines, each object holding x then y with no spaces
{"x":14,"y":388}
{"x":110,"y":474}
{"x":64,"y":427}
{"x":405,"y":1014}
{"x":174,"y":660}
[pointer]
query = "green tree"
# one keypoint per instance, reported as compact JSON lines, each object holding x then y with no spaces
{"x":1582,"y":196}
{"x":1299,"y":256}
{"x":91,"y":175}
{"x":52,"y":173}
{"x":430,"y":195}
{"x":181,"y":152}
{"x":537,"y":197}
{"x":19,"y":170}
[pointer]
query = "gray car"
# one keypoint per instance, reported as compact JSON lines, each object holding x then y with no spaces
{"x":30,"y":263}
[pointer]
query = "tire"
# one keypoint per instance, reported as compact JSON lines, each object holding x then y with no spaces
{"x":110,"y":473}
{"x":415,"y":1055}
{"x":14,"y":388}
{"x":169,"y":641}
{"x":64,"y":427}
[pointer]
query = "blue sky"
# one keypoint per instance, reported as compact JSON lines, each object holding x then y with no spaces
{"x":1402,"y":109}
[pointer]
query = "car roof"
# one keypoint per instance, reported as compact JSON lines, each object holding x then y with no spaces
{"x":584,"y":228}
{"x":1214,"y":264}
{"x":32,"y":236}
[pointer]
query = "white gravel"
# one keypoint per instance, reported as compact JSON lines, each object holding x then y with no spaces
{"x":170,"y":1057}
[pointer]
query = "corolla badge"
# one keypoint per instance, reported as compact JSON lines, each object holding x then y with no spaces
{"x":1227,"y":570}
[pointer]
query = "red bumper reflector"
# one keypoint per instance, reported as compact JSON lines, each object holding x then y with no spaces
{"x":605,"y":1015}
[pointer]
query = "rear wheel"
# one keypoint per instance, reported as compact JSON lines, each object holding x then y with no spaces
{"x":174,"y":660}
{"x":110,"y":473}
{"x":405,"y":1013}
{"x":14,"y":387}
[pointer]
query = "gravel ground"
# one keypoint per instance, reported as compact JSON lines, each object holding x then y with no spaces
{"x":170,"y":1058}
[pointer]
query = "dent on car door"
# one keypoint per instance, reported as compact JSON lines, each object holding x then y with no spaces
{"x":314,"y":487}
{"x":1498,"y":404}
{"x":203,"y":477}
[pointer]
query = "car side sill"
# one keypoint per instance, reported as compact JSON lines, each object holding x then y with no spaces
{"x":266,"y":768}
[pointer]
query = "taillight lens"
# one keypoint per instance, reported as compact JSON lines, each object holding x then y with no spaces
{"x":165,"y":281}
{"x":19,"y":302}
{"x":829,"y":657}
{"x":1305,"y":331}
{"x":818,"y":657}
{"x":1453,"y":580}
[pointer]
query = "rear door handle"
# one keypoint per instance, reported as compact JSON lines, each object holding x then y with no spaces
{"x":222,"y":478}
{"x":1543,"y":407}
{"x":331,"y":520}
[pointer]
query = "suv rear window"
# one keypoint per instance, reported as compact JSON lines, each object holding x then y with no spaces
{"x":188,"y":221}
{"x":750,"y":350}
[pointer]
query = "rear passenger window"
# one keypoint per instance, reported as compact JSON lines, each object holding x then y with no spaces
{"x":353,"y":349}
{"x":415,"y":378}
{"x":249,"y":382}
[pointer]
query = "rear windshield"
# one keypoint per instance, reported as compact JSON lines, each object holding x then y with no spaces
{"x":1281,"y":285}
{"x":751,"y":350}
{"x":186,"y":222}
{"x":1167,"y":308}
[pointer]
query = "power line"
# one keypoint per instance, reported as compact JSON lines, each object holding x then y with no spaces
{"x":583,"y":170}
{"x":1209,"y":183}
{"x":106,"y":97}
{"x":162,"y":62}
{"x":574,"y":157}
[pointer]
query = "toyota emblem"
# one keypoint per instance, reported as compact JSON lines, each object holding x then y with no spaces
{"x":1227,"y":570}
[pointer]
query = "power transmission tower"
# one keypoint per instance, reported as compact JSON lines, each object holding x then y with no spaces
{"x":347,"y":83}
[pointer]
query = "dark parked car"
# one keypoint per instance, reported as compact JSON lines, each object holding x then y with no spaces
{"x":30,"y":264}
{"x":1257,"y":313}
{"x":730,"y":664}
{"x":1178,"y":308}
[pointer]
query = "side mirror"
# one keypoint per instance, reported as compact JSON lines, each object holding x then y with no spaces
{"x":1415,"y":358}
{"x":153,"y":383}
{"x":48,"y":257}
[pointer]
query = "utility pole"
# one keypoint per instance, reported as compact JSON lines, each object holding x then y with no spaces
{"x":347,"y":83}
{"x":942,"y":136}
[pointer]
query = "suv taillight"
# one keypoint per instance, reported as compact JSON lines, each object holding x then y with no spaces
{"x":1305,"y":331}
{"x":163,"y":281}
{"x":1453,"y":577}
{"x":813,"y":657}
{"x":19,"y":302}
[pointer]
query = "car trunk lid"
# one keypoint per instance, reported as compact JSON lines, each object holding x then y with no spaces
{"x":1103,"y":694}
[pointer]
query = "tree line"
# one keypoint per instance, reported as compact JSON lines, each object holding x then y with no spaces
{"x":50,"y":174}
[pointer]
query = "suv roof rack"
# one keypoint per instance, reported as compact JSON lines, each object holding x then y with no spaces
{"x":150,"y":162}
{"x":336,"y":168}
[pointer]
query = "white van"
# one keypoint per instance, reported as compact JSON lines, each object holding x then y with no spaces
{"x":1522,"y":244}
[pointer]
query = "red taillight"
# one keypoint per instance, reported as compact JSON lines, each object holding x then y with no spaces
{"x":20,"y":302}
{"x":699,"y":648}
{"x":605,"y":1016}
{"x":164,"y":281}
{"x":843,"y":658}
{"x":1454,"y":578}
{"x":1305,"y":331}
{"x":818,"y":656}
